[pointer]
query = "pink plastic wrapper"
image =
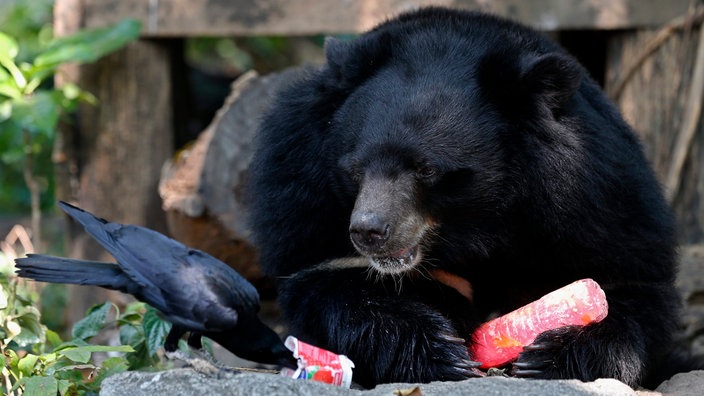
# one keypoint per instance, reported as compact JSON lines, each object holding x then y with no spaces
{"x":317,"y":364}
{"x":501,"y":340}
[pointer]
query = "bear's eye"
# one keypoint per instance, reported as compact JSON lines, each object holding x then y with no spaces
{"x":351,"y":166}
{"x":426,"y":172}
{"x":355,"y":174}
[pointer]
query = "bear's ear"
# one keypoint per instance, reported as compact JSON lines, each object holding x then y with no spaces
{"x":336,"y":51}
{"x":354,"y":61}
{"x":517,"y":86}
{"x":553,"y":78}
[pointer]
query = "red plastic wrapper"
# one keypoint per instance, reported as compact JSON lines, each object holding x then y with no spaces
{"x":501,"y":340}
{"x":317,"y":364}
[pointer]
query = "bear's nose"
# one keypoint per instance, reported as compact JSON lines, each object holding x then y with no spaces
{"x":369,"y":231}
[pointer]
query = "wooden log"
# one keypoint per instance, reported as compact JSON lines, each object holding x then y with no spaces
{"x":203,"y":188}
{"x":309,"y":17}
{"x":654,"y":102}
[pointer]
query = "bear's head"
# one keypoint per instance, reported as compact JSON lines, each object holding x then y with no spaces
{"x":436,"y":126}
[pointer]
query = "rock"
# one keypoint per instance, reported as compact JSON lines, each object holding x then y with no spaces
{"x":189,"y":382}
{"x":512,"y":386}
{"x":684,"y":384}
{"x":690,"y":283}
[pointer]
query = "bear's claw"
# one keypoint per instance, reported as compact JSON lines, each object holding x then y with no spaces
{"x":545,"y":355}
{"x":529,"y":369}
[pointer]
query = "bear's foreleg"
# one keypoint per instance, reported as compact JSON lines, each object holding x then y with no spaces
{"x":389,"y":327}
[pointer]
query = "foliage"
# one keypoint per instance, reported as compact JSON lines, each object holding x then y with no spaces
{"x":30,"y":108}
{"x":38,"y":362}
{"x":29,"y":22}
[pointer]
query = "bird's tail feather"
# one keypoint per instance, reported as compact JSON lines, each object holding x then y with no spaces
{"x":52,"y":269}
{"x":97,"y":227}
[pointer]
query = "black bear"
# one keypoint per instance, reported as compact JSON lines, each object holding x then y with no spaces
{"x":472,"y":166}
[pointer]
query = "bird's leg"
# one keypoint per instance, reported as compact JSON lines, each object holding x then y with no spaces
{"x":194,"y":340}
{"x":171,"y":342}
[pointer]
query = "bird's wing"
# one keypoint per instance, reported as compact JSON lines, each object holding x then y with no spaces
{"x":144,"y":255}
{"x":232,"y":289}
{"x":189,"y":287}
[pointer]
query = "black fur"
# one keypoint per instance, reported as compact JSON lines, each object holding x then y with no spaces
{"x":518,"y":173}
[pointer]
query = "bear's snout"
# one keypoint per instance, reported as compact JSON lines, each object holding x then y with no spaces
{"x":385,"y":225}
{"x":369,"y":231}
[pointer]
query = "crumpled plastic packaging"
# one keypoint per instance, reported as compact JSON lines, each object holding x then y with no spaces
{"x":317,"y":364}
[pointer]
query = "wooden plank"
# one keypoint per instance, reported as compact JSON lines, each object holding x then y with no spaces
{"x":183,"y":18}
{"x":654,"y":103}
{"x":109,"y":160}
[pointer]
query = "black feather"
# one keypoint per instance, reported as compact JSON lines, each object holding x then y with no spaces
{"x":193,"y":290}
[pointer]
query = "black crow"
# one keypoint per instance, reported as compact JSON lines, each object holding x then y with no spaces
{"x":194,"y":291}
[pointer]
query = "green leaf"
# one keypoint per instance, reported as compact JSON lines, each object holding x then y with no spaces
{"x":8,"y":46}
{"x":155,"y":330}
{"x":40,"y":386}
{"x":27,"y":363}
{"x":115,"y":364}
{"x":64,"y":386}
{"x":32,"y":329}
{"x":94,"y":322}
{"x":77,"y":355}
{"x":131,"y":334}
{"x":5,"y":108}
{"x":48,"y":358}
{"x":89,"y":45}
{"x":72,"y":94}
{"x":3,"y":297}
{"x":8,"y":87}
{"x":106,"y":348}
{"x":69,"y":373}
{"x":207,"y":345}
{"x":110,"y":367}
{"x":71,"y":91}
{"x":13,"y":361}
{"x":4,"y":75}
{"x":136,"y":307}
{"x":81,"y":354}
{"x":53,"y":338}
{"x":132,"y":318}
{"x":8,"y":52}
{"x":38,"y":114}
{"x":38,"y":73}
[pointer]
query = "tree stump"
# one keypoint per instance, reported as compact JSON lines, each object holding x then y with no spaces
{"x":203,"y":188}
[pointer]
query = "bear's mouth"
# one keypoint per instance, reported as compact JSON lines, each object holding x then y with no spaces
{"x":397,"y":262}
